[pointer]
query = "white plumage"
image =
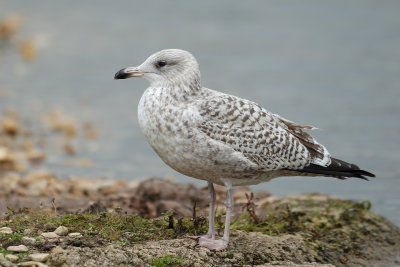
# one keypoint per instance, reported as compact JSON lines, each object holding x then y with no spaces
{"x":221,"y":138}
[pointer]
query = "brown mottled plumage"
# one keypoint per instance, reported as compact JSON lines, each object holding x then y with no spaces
{"x":221,"y":138}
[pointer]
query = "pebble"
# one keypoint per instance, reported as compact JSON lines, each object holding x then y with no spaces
{"x":33,"y":264}
{"x":61,"y":231}
{"x":50,"y":235}
{"x":75,"y":235}
{"x":58,"y":256}
{"x":11,"y":257}
{"x":28,"y":231}
{"x":4,"y":262}
{"x":20,"y":248}
{"x":6,"y":230}
{"x":57,"y":249}
{"x":29,"y":241}
{"x":41,"y":257}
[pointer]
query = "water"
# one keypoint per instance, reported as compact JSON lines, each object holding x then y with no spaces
{"x":333,"y":65}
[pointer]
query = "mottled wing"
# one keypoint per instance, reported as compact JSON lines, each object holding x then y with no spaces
{"x":319,"y":154}
{"x":268,"y":140}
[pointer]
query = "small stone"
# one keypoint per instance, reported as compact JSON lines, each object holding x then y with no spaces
{"x":28,"y":241}
{"x":49,"y":235}
{"x":41,"y":257}
{"x":11,"y":257}
{"x":75,"y":235}
{"x":4,"y":262}
{"x":61,"y":230}
{"x":28,"y":231}
{"x":57,"y":249}
{"x":6,"y":230}
{"x":57,"y":256}
{"x":20,"y":248}
{"x":10,"y":126}
{"x":33,"y":264}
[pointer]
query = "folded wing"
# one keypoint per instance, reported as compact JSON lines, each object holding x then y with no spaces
{"x":268,"y":140}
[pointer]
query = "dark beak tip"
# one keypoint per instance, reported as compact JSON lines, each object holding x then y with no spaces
{"x":121,"y":74}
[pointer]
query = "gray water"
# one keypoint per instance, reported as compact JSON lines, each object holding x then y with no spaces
{"x":334,"y":65}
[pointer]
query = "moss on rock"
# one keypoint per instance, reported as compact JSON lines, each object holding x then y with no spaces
{"x":308,"y":229}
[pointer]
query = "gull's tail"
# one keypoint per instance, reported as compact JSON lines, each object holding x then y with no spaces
{"x":338,"y":168}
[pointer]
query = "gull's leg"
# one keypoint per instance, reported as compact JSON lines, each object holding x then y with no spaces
{"x":229,"y":205}
{"x":220,"y":244}
{"x":211,"y":217}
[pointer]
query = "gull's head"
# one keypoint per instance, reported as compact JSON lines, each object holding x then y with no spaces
{"x":170,"y":66}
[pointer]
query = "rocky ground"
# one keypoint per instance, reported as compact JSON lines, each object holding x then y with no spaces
{"x":143,"y":224}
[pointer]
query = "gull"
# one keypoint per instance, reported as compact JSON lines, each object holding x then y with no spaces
{"x":221,"y":138}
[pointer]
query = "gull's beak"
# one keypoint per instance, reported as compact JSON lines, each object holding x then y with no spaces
{"x":128,"y":73}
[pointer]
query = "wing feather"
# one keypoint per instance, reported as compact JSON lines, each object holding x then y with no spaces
{"x":266,"y":139}
{"x":319,"y":154}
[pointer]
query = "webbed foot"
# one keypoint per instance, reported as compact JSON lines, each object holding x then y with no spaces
{"x":207,"y":242}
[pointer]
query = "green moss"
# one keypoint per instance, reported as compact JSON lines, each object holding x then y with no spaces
{"x":330,"y":227}
{"x":254,"y":259}
{"x":3,"y":251}
{"x":229,"y":255}
{"x":13,"y":239}
{"x":124,"y":228}
{"x":10,"y":239}
{"x":166,"y":261}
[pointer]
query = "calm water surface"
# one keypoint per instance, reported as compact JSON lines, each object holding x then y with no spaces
{"x":333,"y":65}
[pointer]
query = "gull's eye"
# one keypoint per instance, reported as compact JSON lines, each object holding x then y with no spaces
{"x":161,"y":63}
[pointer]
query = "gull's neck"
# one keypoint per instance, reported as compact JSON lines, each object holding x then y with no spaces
{"x":179,"y":89}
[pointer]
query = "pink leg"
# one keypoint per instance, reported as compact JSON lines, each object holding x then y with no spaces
{"x":229,"y":205}
{"x":211,"y":218}
{"x":209,"y":241}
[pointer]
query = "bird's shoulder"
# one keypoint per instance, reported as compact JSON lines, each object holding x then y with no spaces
{"x":233,"y":111}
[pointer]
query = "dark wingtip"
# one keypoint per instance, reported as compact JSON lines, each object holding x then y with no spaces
{"x":362,"y":172}
{"x":339,"y":169}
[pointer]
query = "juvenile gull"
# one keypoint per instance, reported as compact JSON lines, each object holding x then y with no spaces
{"x":220,"y":138}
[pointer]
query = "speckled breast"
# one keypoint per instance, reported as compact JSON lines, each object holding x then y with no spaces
{"x":169,"y":128}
